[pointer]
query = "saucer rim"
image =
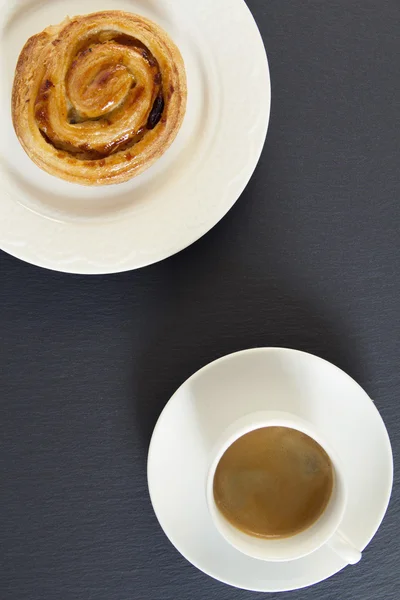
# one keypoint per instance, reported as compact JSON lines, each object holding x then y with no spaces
{"x":268,"y":349}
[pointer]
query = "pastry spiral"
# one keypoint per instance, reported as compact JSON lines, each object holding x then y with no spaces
{"x":97,"y":99}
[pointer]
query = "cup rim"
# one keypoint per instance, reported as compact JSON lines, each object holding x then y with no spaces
{"x":258,"y":420}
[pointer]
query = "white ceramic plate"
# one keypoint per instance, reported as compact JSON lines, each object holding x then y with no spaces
{"x":71,"y":228}
{"x":274,"y":379}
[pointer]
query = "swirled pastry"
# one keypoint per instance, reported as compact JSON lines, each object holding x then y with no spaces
{"x":98,"y":98}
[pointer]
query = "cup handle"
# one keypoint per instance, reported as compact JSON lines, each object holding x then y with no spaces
{"x":345,"y":549}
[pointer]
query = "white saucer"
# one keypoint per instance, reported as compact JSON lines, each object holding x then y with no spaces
{"x":253,"y":380}
{"x":67,"y":227}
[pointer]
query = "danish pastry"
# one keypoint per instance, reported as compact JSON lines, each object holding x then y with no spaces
{"x":97,"y":99}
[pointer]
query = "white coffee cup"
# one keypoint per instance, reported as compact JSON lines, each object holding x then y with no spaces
{"x":326,"y":530}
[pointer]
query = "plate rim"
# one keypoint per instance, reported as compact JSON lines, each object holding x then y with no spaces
{"x":75,"y":264}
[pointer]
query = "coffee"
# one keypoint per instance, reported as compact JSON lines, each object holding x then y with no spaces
{"x":273,"y":482}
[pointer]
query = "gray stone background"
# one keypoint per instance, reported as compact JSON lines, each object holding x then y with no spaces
{"x":308,"y":258}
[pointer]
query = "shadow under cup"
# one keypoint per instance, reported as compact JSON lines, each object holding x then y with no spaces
{"x":325,"y":530}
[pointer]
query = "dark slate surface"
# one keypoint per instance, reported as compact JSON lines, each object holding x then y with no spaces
{"x":308,"y":258}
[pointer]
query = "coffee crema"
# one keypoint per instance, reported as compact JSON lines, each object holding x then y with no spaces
{"x":273,"y":482}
